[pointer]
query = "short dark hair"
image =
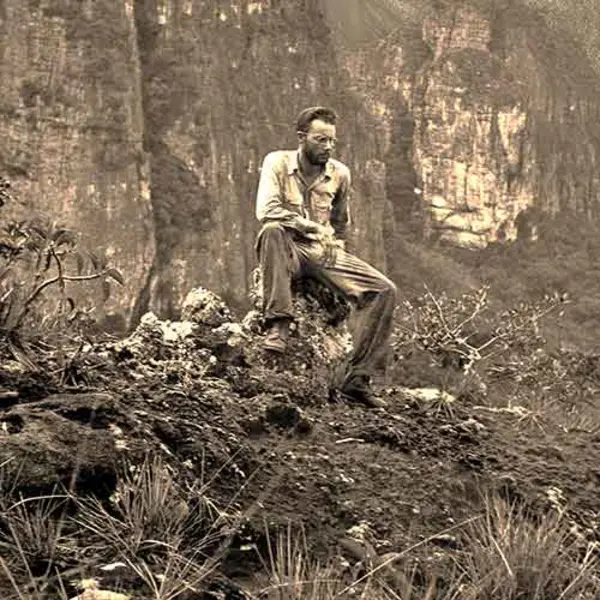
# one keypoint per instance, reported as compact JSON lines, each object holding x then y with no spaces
{"x":308,"y":115}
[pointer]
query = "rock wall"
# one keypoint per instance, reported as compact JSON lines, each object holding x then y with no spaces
{"x":495,"y":109}
{"x":71,"y":124}
{"x":143,"y":123}
{"x":508,"y":123}
{"x":223,"y":82}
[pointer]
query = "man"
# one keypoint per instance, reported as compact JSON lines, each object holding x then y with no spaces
{"x":302,"y":201}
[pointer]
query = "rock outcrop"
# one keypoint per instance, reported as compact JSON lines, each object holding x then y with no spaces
{"x":64,"y":441}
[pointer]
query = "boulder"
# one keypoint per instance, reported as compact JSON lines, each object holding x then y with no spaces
{"x":319,"y":328}
{"x":210,"y":343}
{"x":64,"y":440}
{"x":203,"y":307}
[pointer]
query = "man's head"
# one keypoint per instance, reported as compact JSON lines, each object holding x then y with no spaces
{"x":316,"y":133}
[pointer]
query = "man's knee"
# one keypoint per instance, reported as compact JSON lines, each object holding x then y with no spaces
{"x":271,"y":235}
{"x":389,"y":289}
{"x":272,"y":227}
{"x":392,"y":289}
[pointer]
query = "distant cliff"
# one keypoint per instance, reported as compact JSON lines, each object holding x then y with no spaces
{"x":143,"y":123}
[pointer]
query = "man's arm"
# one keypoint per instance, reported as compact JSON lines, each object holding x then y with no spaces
{"x":269,"y":206}
{"x":340,"y":209}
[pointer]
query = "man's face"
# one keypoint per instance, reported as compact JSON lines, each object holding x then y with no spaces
{"x":319,"y":142}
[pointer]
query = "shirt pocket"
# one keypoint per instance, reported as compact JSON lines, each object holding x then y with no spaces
{"x":320,"y":202}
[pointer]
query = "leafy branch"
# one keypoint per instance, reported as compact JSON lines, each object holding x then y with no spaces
{"x":61,"y":278}
{"x":34,"y":258}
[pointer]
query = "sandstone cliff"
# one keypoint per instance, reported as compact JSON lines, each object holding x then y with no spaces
{"x":71,"y":123}
{"x":143,"y":122}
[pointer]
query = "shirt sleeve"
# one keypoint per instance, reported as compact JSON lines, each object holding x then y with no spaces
{"x":340,"y":209}
{"x":269,"y":205}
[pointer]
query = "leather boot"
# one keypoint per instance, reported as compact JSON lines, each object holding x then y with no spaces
{"x":277,"y":336}
{"x":357,"y":389}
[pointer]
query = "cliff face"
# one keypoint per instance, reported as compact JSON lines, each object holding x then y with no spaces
{"x":496,"y":110}
{"x":143,"y":123}
{"x":71,"y":126}
{"x":222,"y":84}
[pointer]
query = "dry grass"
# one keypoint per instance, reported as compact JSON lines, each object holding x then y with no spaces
{"x":34,"y":547}
{"x":293,"y":575}
{"x":509,"y":555}
{"x":505,"y":554}
{"x":152,"y":528}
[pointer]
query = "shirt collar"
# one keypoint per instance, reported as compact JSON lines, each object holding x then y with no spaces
{"x":293,"y":165}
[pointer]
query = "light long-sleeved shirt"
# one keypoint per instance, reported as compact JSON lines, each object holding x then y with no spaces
{"x":284,"y":196}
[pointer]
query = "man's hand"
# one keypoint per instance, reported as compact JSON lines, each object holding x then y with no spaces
{"x":325,"y":236}
{"x":330,"y":246}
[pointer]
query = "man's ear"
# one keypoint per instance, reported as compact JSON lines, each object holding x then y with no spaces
{"x":301,"y":136}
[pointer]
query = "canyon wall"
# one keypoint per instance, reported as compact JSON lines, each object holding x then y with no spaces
{"x":142,"y":123}
{"x":222,"y":84}
{"x":497,"y":109}
{"x":71,"y":125}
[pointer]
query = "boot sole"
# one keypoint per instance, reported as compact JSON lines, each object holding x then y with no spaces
{"x":363,"y":402}
{"x":275,"y":349}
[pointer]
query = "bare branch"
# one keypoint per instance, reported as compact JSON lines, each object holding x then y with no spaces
{"x":33,"y":296}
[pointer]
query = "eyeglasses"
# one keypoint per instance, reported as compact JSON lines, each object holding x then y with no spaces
{"x":323,"y":140}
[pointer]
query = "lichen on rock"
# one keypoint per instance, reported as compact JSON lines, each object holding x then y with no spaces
{"x":203,"y":307}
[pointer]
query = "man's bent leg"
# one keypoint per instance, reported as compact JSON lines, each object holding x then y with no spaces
{"x":279,"y":264}
{"x":375,"y":298}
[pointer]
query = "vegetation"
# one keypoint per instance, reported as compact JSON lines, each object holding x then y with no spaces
{"x":40,"y":262}
{"x":145,"y":539}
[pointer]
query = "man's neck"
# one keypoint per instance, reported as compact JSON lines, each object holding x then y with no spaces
{"x":308,"y":169}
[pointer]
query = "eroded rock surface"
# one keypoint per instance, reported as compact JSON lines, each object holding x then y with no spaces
{"x":66,"y":441}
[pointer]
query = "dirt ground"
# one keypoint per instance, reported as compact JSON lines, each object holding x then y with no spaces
{"x":279,"y":449}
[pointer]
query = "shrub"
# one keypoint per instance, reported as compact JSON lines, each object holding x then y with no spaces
{"x":464,"y":332}
{"x":39,"y":259}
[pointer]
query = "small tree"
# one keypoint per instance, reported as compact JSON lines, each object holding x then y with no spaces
{"x":38,"y":257}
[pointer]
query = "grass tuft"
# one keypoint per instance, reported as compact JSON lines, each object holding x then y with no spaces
{"x":509,"y":555}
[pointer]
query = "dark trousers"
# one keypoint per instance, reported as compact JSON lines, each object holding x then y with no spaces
{"x":284,"y":255}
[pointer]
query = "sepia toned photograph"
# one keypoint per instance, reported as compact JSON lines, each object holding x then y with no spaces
{"x":300,"y":300}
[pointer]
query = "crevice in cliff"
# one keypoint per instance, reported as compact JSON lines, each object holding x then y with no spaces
{"x":402,"y":180}
{"x":142,"y":39}
{"x":178,"y":198}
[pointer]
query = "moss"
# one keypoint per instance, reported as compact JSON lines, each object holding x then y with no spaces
{"x":180,"y":202}
{"x":103,"y":43}
{"x":7,"y":109}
